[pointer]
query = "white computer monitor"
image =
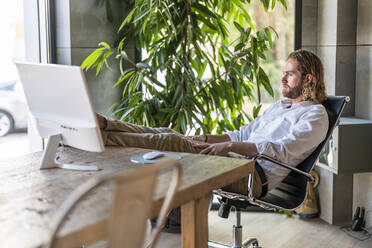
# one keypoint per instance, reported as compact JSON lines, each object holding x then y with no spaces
{"x":59,"y":100}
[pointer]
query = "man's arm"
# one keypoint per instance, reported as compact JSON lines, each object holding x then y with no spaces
{"x":209,"y":138}
{"x":248,"y":149}
{"x":308,"y":132}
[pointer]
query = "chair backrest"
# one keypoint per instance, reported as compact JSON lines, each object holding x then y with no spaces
{"x":334,"y":106}
{"x":292,"y":191}
{"x":131,"y":208}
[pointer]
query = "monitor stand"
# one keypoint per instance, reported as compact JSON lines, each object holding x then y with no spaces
{"x":49,"y":159}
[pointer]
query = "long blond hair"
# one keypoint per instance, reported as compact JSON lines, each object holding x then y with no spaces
{"x":309,"y":63}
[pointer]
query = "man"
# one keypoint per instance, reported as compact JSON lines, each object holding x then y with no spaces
{"x":289,"y":130}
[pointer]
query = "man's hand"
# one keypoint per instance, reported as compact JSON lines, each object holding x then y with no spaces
{"x":248,"y":149}
{"x":101,"y":121}
{"x":220,"y":149}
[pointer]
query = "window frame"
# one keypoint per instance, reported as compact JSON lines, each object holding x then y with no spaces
{"x":40,"y":47}
{"x":298,"y":25}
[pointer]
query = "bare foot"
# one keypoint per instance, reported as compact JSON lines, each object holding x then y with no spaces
{"x":101,"y":121}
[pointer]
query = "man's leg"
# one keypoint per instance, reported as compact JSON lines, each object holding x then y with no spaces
{"x":125,"y":134}
{"x":157,"y":141}
{"x":241,"y":186}
{"x":117,"y":133}
{"x":120,"y":126}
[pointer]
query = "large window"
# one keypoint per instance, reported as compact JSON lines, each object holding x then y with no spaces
{"x":283,"y":22}
{"x":13,"y":110}
{"x":25,"y":27}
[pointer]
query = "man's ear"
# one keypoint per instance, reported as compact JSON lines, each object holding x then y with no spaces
{"x":308,"y":79}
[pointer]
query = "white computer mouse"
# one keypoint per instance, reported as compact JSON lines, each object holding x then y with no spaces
{"x":153,"y":155}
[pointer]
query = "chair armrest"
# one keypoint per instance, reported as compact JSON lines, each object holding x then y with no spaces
{"x":273,"y":160}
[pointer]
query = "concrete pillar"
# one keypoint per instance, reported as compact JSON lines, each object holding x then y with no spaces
{"x":363,"y":105}
{"x":80,"y":26}
{"x":329,"y":29}
{"x":343,"y":40}
{"x":362,"y":195}
{"x":335,"y":194}
{"x":364,"y":60}
{"x":309,"y":25}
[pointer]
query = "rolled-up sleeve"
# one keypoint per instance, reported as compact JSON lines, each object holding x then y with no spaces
{"x":244,"y":133}
{"x":234,"y":135}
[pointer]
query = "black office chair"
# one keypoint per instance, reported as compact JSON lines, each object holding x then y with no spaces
{"x":291,"y":192}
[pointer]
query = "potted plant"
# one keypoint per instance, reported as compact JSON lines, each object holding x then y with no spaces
{"x":192,"y":77}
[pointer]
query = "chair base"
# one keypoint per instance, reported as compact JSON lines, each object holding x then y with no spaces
{"x":247,"y":243}
{"x":237,"y":233}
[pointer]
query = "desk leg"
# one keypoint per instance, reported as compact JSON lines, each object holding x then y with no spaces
{"x":194,"y":223}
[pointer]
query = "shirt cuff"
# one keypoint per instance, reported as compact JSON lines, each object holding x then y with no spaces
{"x":232,"y":135}
{"x":261,"y":147}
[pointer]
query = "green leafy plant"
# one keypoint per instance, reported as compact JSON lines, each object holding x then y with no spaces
{"x":191,"y":77}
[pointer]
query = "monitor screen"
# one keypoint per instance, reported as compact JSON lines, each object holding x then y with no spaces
{"x":59,"y":100}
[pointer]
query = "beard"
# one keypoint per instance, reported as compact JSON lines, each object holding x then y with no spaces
{"x":294,"y":92}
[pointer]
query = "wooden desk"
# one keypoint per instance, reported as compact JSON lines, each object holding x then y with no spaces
{"x":30,"y":197}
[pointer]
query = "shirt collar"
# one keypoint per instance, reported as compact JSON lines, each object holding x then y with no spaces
{"x":286,"y":103}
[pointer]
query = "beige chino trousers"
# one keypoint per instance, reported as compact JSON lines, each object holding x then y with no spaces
{"x":118,"y":133}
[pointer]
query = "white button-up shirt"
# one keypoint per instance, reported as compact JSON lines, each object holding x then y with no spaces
{"x":287,"y":132}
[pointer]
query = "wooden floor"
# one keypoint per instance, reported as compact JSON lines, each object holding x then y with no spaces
{"x":274,"y":231}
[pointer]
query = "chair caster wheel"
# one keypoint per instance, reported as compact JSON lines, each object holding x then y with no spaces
{"x":255,"y":245}
{"x":251,"y":243}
